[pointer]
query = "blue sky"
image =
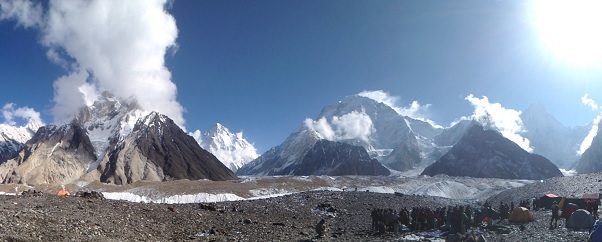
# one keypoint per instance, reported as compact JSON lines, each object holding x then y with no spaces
{"x":265,"y":66}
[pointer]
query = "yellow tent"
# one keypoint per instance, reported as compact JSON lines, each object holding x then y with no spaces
{"x":521,"y":215}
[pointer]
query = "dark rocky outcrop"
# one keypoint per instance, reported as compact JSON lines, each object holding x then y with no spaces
{"x":159,"y":150}
{"x":487,"y":154}
{"x":53,"y":155}
{"x":337,"y":159}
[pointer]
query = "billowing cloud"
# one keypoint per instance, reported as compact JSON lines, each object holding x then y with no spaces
{"x":10,"y":112}
{"x":414,"y":110}
{"x":589,"y":102}
{"x":118,"y":46}
{"x":587,"y":142}
{"x":26,"y":13}
{"x":495,"y":116}
{"x":354,"y":125}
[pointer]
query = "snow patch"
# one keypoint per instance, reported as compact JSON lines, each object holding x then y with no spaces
{"x":566,"y":172}
{"x":53,"y":148}
{"x":175,"y":199}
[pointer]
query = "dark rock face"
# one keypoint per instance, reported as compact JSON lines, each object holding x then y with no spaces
{"x":487,"y":154}
{"x":9,"y":148}
{"x":53,"y":155}
{"x":591,"y":160}
{"x":337,"y":159}
{"x":171,"y":152}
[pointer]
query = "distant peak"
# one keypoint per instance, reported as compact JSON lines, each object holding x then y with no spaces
{"x":218,"y":128}
{"x":537,"y":108}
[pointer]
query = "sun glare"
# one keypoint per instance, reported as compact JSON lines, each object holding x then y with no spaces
{"x":571,"y":30}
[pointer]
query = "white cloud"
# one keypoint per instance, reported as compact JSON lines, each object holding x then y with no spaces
{"x":506,"y":121}
{"x":67,"y":97}
{"x":589,"y":102}
{"x":354,"y":125}
{"x":10,"y":112}
{"x":26,"y":13}
{"x":587,"y":142}
{"x":121,"y":45}
{"x":414,"y":110}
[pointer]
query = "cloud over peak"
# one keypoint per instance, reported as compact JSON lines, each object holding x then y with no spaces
{"x":354,"y":125}
{"x":10,"y":112}
{"x":414,"y":110}
{"x":117,"y":46}
{"x":587,"y":142}
{"x":494,"y":115}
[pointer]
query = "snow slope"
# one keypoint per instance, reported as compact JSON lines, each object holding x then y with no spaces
{"x":232,"y":149}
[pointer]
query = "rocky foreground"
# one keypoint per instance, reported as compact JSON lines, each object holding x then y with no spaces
{"x":34,"y":217}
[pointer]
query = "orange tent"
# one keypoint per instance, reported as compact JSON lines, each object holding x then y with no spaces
{"x":63,"y":193}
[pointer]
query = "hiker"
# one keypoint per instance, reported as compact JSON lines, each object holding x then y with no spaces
{"x":321,"y":228}
{"x":595,"y":209}
{"x":373,"y":215}
{"x":555,"y":215}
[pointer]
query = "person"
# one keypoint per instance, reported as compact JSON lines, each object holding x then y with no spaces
{"x":321,"y":228}
{"x":555,"y":215}
{"x":595,"y":209}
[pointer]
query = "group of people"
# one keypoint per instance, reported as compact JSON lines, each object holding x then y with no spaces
{"x":456,"y":219}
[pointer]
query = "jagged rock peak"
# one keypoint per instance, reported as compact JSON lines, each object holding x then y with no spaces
{"x":232,"y":149}
{"x":487,"y":154}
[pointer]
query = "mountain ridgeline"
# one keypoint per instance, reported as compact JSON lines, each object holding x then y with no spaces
{"x":391,"y":140}
{"x":402,"y":143}
{"x":112,"y":141}
{"x":591,"y":160}
{"x":487,"y":154}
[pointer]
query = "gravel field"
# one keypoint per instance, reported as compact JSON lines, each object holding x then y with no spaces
{"x":286,"y":218}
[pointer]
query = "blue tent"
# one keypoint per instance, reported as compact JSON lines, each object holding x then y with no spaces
{"x":596,"y":232}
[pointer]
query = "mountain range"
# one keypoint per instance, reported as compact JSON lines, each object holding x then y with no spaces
{"x":115,"y":141}
{"x":112,"y":141}
{"x":403,"y":143}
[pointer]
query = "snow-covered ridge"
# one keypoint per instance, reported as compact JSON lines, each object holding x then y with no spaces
{"x":232,"y":149}
{"x":108,"y":118}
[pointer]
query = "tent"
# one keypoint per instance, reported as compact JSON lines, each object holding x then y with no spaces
{"x":521,"y":215}
{"x":547,"y":200}
{"x":63,"y":193}
{"x":568,"y":209}
{"x":574,"y":200}
{"x":580,"y":219}
{"x":591,"y":196}
{"x":596,"y":232}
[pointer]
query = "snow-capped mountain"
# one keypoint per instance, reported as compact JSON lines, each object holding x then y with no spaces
{"x":158,"y":150}
{"x":337,"y":159}
{"x":550,"y":138}
{"x":355,"y":120}
{"x":487,"y":154}
{"x":232,"y":149}
{"x":112,"y":141}
{"x":55,"y":155}
{"x":12,"y":139}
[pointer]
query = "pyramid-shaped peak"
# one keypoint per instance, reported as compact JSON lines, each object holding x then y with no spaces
{"x":155,"y":117}
{"x":537,"y":108}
